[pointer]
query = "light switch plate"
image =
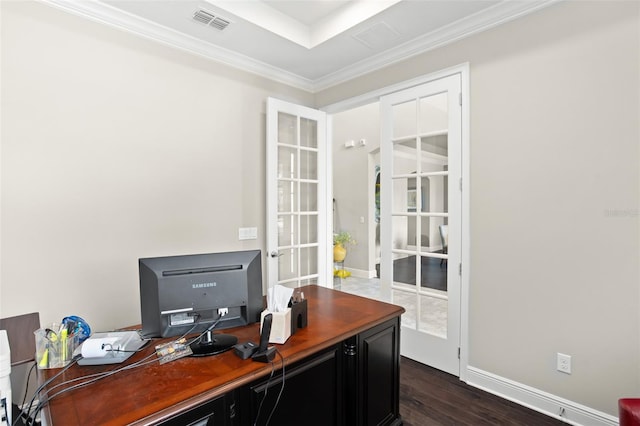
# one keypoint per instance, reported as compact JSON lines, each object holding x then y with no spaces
{"x":247,"y":233}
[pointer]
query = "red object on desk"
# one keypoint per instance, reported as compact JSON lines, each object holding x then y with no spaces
{"x":629,"y":410}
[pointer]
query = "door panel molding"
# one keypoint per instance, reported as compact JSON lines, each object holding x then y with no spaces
{"x":406,"y":117}
{"x":307,"y":168}
{"x":461,"y":69}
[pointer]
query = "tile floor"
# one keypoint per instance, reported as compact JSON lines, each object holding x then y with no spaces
{"x":433,"y":310}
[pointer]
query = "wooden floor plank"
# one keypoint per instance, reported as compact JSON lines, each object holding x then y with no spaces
{"x":429,"y":397}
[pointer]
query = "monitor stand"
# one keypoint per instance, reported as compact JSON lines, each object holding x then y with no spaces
{"x":211,"y":344}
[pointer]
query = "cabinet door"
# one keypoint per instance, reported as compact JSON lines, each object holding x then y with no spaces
{"x":379,"y":370}
{"x":218,"y":412}
{"x":312,"y":394}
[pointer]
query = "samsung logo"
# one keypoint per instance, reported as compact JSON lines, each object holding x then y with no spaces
{"x":203,"y":285}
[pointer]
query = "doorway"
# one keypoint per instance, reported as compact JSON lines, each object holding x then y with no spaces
{"x":354,"y":172}
{"x":421,"y":217}
{"x":356,"y":155}
{"x":296,"y":195}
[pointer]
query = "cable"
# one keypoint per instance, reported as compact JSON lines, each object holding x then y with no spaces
{"x":97,"y":376}
{"x":193,"y":327}
{"x":208,"y":329}
{"x":281,"y":390}
{"x":42,"y":386}
{"x":117,"y":349}
{"x":92,"y":378}
{"x":26,"y":389}
{"x":266,"y":389}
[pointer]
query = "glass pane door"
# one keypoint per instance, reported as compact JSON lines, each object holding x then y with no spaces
{"x":421,"y":155}
{"x":295,"y":244}
{"x":419,"y":215}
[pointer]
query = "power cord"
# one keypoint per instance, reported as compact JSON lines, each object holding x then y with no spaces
{"x":26,"y":392}
{"x":92,"y":378}
{"x":281,"y":389}
{"x":108,"y":347}
{"x":208,"y":329}
{"x":26,"y":387}
{"x":266,"y":389}
{"x":28,"y":416}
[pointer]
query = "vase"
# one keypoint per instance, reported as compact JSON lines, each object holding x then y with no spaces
{"x":339,"y":253}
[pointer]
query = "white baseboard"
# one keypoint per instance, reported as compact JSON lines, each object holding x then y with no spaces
{"x":362,"y":273}
{"x":567,"y":411}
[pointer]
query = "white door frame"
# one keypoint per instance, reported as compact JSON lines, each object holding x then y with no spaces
{"x":274,"y":106}
{"x":399,"y":163}
{"x":374,"y":96}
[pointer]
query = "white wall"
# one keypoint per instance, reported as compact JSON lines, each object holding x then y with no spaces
{"x":352,"y":188}
{"x":555,"y":195}
{"x":116,"y":148}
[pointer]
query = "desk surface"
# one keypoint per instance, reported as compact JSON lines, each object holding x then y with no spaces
{"x":154,"y":392}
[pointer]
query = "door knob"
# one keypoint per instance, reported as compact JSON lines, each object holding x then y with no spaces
{"x":275,"y":254}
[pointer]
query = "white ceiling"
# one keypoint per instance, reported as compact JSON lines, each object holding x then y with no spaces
{"x":308,"y":44}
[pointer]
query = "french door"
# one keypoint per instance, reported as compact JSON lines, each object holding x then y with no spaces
{"x":297,"y":237}
{"x":421,"y":217}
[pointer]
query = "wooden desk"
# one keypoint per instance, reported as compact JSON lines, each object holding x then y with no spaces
{"x":343,"y":368}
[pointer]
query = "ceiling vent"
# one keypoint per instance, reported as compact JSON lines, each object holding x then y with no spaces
{"x":379,"y":36}
{"x":210,"y":19}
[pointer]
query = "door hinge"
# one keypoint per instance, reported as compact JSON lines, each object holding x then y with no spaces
{"x":460,"y":184}
{"x":458,"y":353}
{"x":460,"y":269}
{"x":460,"y":98}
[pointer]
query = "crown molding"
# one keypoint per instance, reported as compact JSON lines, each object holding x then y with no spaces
{"x":106,"y":14}
{"x":481,"y":21}
{"x":501,"y":13}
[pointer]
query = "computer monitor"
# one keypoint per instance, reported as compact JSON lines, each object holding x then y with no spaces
{"x":186,"y":293}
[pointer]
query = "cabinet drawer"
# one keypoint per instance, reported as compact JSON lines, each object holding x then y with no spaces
{"x":311,"y":395}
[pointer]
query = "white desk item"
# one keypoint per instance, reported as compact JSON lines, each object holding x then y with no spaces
{"x":110,"y":348}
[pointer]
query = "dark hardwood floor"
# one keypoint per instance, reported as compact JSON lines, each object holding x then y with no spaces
{"x":429,"y":397}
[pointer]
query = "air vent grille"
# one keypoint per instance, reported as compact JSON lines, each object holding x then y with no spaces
{"x":219,"y":23}
{"x":210,"y":19}
{"x":203,"y":16}
{"x":379,"y":36}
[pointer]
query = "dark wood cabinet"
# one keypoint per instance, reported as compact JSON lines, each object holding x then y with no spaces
{"x":312,"y":394}
{"x":354,"y":383}
{"x":342,"y":369}
{"x":379,"y":375}
{"x":373,"y":375}
{"x":215,"y":412}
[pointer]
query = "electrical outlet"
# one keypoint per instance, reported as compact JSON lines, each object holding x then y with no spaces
{"x":564,"y":363}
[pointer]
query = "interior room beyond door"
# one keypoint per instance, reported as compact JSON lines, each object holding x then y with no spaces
{"x":421,"y":217}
